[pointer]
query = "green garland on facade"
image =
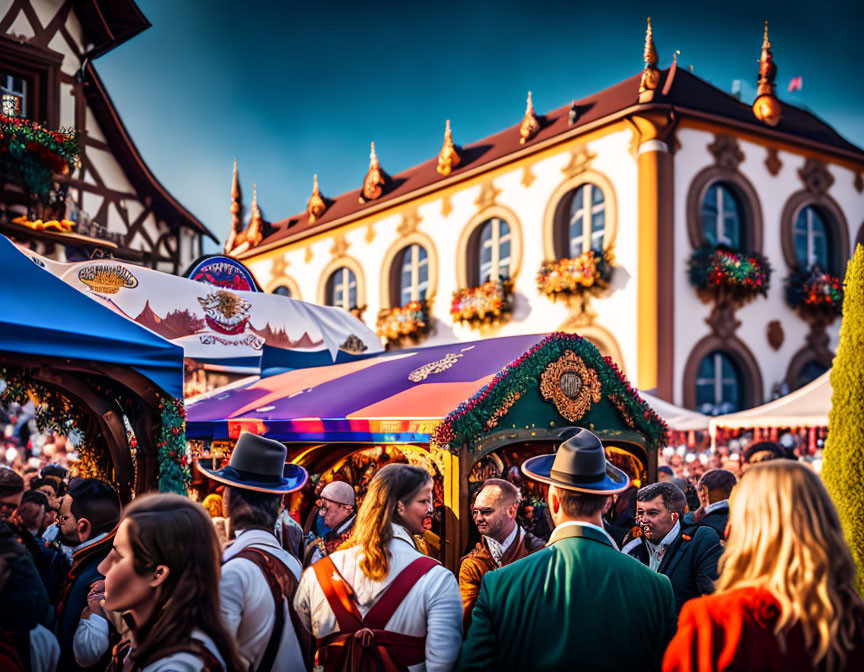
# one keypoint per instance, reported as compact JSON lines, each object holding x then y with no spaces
{"x":474,"y":417}
{"x":174,"y":474}
{"x":30,"y":156}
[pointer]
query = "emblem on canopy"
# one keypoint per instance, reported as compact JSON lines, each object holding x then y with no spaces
{"x":571,"y":386}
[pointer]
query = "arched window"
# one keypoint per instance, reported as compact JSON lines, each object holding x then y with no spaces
{"x":342,"y":289}
{"x":721,"y":216}
{"x":494,"y":250}
{"x":411,"y":275}
{"x":808,"y":373}
{"x":812,"y":239}
{"x":587,"y":219}
{"x":718,"y":385}
{"x":282,"y":290}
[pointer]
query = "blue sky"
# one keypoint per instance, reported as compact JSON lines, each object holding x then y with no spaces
{"x":291,"y":89}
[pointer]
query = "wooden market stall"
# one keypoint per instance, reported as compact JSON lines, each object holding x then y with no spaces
{"x":465,"y":411}
{"x":90,"y":370}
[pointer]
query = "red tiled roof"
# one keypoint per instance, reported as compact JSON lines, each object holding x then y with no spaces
{"x":687,"y":94}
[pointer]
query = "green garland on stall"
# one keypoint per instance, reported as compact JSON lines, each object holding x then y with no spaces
{"x":54,"y":413}
{"x":472,"y":418}
{"x":174,"y":473}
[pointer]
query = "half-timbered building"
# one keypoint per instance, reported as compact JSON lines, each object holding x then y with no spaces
{"x":48,"y":55}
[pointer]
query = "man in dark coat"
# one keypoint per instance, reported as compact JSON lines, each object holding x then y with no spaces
{"x":503,"y":541}
{"x":714,"y":490}
{"x":688,"y":556}
{"x":578,"y":603}
{"x":89,"y":512}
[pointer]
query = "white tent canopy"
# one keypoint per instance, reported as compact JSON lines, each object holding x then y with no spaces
{"x":676,"y":418}
{"x":806,"y":407}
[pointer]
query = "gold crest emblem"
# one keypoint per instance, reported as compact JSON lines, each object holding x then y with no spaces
{"x":571,"y":386}
{"x":107,"y":279}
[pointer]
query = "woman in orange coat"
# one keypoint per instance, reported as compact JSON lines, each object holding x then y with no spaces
{"x":786,"y":596}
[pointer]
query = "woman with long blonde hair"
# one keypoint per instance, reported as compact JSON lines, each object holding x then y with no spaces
{"x":378,"y":603}
{"x":786,"y":598}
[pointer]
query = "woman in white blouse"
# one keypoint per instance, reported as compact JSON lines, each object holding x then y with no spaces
{"x":379,"y":602}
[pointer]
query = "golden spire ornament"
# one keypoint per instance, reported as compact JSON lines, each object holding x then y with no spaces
{"x":448,"y":157}
{"x":316,"y":205}
{"x":376,"y":178}
{"x":650,"y":74}
{"x":236,"y":207}
{"x":767,"y":106}
{"x":530,"y":126}
{"x":253,"y":233}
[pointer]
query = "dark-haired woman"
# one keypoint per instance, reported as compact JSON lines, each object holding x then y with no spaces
{"x":379,"y":603}
{"x":163,"y":571}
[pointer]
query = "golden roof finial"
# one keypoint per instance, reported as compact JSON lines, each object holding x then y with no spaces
{"x":235,"y":209}
{"x":376,"y":178}
{"x":316,"y":206}
{"x":767,"y":106}
{"x":253,"y":231}
{"x":530,"y":126}
{"x":448,"y":157}
{"x":650,"y":73}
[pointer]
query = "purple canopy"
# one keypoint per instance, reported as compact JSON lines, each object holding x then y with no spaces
{"x":396,"y":397}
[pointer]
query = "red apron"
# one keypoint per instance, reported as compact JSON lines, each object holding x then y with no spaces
{"x":362,"y":644}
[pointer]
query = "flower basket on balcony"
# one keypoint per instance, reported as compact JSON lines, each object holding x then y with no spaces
{"x":816,"y":295}
{"x":720,"y":273}
{"x":31,"y":155}
{"x":589,"y":273}
{"x":400,"y":323}
{"x":482,"y":305}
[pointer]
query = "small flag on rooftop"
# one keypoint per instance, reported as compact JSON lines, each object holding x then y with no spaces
{"x":796,"y":83}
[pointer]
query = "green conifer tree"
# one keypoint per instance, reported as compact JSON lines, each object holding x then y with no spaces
{"x":843,"y":469}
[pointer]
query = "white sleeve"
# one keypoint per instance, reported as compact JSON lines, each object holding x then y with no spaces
{"x":232,"y":589}
{"x":44,"y":650}
{"x":443,"y":620}
{"x":91,"y":640}
{"x":303,"y":598}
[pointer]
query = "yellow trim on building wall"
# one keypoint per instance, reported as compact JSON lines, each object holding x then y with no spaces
{"x":445,"y":192}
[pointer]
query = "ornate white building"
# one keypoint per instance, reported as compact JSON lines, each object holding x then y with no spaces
{"x":47,"y":54}
{"x":650,"y":171}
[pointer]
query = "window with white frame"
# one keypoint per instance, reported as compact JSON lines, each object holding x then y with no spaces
{"x":342,"y":289}
{"x":721,"y":216}
{"x":718,"y":385}
{"x":812,"y":239}
{"x":587,"y":220}
{"x":413,"y":274}
{"x":494,"y":250}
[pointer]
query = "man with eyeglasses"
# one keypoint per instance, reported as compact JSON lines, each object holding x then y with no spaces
{"x":336,"y":505}
{"x":502,"y":542}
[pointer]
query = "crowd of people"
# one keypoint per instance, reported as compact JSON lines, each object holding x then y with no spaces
{"x":739,"y":574}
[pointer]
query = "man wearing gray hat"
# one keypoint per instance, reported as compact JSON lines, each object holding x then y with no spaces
{"x":259,"y":577}
{"x":579,"y":603}
{"x":336,"y":505}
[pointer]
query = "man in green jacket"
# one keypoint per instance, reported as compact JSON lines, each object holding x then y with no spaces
{"x":579,"y":603}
